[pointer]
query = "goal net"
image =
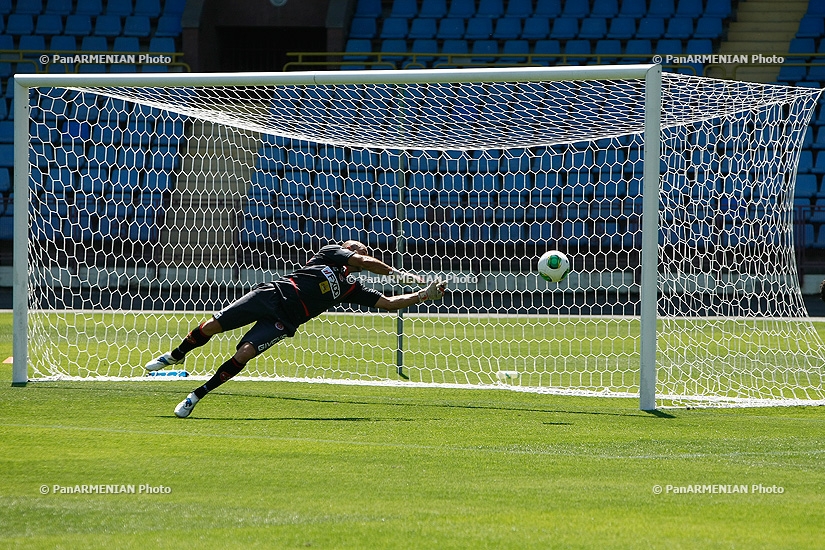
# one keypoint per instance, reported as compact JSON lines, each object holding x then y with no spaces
{"x":153,"y":203}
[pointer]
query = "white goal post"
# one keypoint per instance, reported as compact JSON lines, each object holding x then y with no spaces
{"x":145,"y":202}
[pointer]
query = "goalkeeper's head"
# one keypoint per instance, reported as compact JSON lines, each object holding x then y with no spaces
{"x":356,"y":247}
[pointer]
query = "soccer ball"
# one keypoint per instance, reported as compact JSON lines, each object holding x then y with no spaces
{"x":554,"y":266}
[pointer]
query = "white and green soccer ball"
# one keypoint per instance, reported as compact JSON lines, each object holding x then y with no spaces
{"x":554,"y":266}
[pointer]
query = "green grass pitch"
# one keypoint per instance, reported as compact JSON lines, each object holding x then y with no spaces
{"x":280,"y":465}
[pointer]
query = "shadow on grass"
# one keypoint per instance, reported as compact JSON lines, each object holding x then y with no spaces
{"x":306,"y":399}
{"x":289,"y":418}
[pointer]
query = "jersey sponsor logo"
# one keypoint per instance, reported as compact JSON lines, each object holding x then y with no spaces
{"x":331,"y":284}
{"x":267,"y":345}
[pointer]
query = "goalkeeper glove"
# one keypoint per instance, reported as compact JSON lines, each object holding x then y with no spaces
{"x":435,"y":291}
{"x":405,"y":277}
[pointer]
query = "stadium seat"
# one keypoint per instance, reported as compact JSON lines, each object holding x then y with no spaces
{"x":816,"y":73}
{"x":708,"y":27}
{"x":806,"y":186}
{"x":507,"y":28}
{"x":516,"y":50}
{"x":549,"y":48}
{"x":679,"y":28}
{"x":392,"y":46}
{"x":404,"y":8}
{"x":462,"y":8}
{"x":722,"y":8}
{"x":490,"y":8}
{"x":422,"y":28}
{"x":608,"y":50}
{"x":536,"y":28}
{"x":669,"y":47}
{"x":805,"y":162}
{"x":819,"y":167}
{"x":819,"y":141}
{"x":107,"y":25}
{"x":809,"y":27}
{"x":78,"y":25}
{"x":622,"y":28}
{"x":605,"y":8}
{"x":661,"y":8}
{"x":19,"y":24}
{"x":564,"y":28}
{"x":137,"y":26}
{"x":357,"y":46}
{"x":162,"y":44}
{"x":32,"y":43}
{"x":49,"y":24}
{"x":791,"y":74}
{"x":690,"y":8}
{"x":94,"y":44}
{"x":638,"y":47}
{"x":803,"y":46}
{"x":478,"y":28}
{"x":633,"y":9}
{"x":147,"y":8}
{"x":168,"y":25}
{"x":593,"y":28}
{"x":120,"y":8}
{"x":577,"y":47}
{"x":433,"y":9}
{"x":89,"y":7}
{"x":394,"y":28}
{"x":29,"y":7}
{"x":484,"y":51}
{"x":126,"y":44}
{"x":650,"y":28}
{"x":520,"y":9}
{"x":367,"y":8}
{"x":450,"y":29}
{"x":548,"y":8}
{"x":424,"y":46}
{"x":59,"y":7}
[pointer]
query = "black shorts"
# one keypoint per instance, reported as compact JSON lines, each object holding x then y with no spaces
{"x":259,"y":306}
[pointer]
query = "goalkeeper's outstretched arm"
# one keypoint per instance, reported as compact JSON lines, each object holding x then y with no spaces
{"x":434,"y":291}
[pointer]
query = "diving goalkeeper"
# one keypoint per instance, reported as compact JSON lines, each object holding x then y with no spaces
{"x":280,"y":307}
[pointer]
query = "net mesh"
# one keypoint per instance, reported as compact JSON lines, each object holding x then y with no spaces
{"x":154,"y":207}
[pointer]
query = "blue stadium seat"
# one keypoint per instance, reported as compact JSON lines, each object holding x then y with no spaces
{"x":450,"y":28}
{"x":520,"y":9}
{"x":661,"y":8}
{"x":121,"y":8}
{"x":49,"y":24}
{"x":516,"y":50}
{"x":722,"y":8}
{"x":94,"y":44}
{"x":6,"y":132}
{"x":162,"y":44}
{"x":32,"y":43}
{"x":548,"y":8}
{"x":484,"y":51}
{"x":690,"y":8}
{"x":564,"y":28}
{"x":708,"y":27}
{"x":490,"y":8}
{"x":63,"y":43}
{"x":547,"y":48}
{"x":59,"y":7}
{"x":605,"y":8}
{"x":669,"y":47}
{"x":394,"y":28}
{"x":89,"y":7}
{"x":609,"y":50}
{"x":168,"y":25}
{"x":126,"y":44}
{"x":819,"y":166}
{"x":805,"y":46}
{"x":478,"y":28}
{"x":107,"y":25}
{"x":507,"y":28}
{"x":651,"y":28}
{"x":462,"y":8}
{"x":137,"y":26}
{"x":819,"y":142}
{"x":806,"y":162}
{"x":633,"y":9}
{"x":404,"y":8}
{"x":576,"y":9}
{"x":357,"y":46}
{"x":680,"y":28}
{"x":368,"y":8}
{"x":78,"y":25}
{"x":577,"y":47}
{"x":536,"y":28}
{"x":148,"y":8}
{"x":19,"y":24}
{"x":816,"y":73}
{"x":791,"y":74}
{"x":422,"y":28}
{"x":593,"y":28}
{"x":622,"y":28}
{"x":806,"y":186}
{"x":392,"y":46}
{"x":424,"y":46}
{"x":29,"y":7}
{"x":809,"y":27}
{"x":638,"y":47}
{"x":433,"y":9}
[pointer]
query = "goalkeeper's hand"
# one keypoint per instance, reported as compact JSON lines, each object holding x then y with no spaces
{"x":434,"y":291}
{"x":406,"y":278}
